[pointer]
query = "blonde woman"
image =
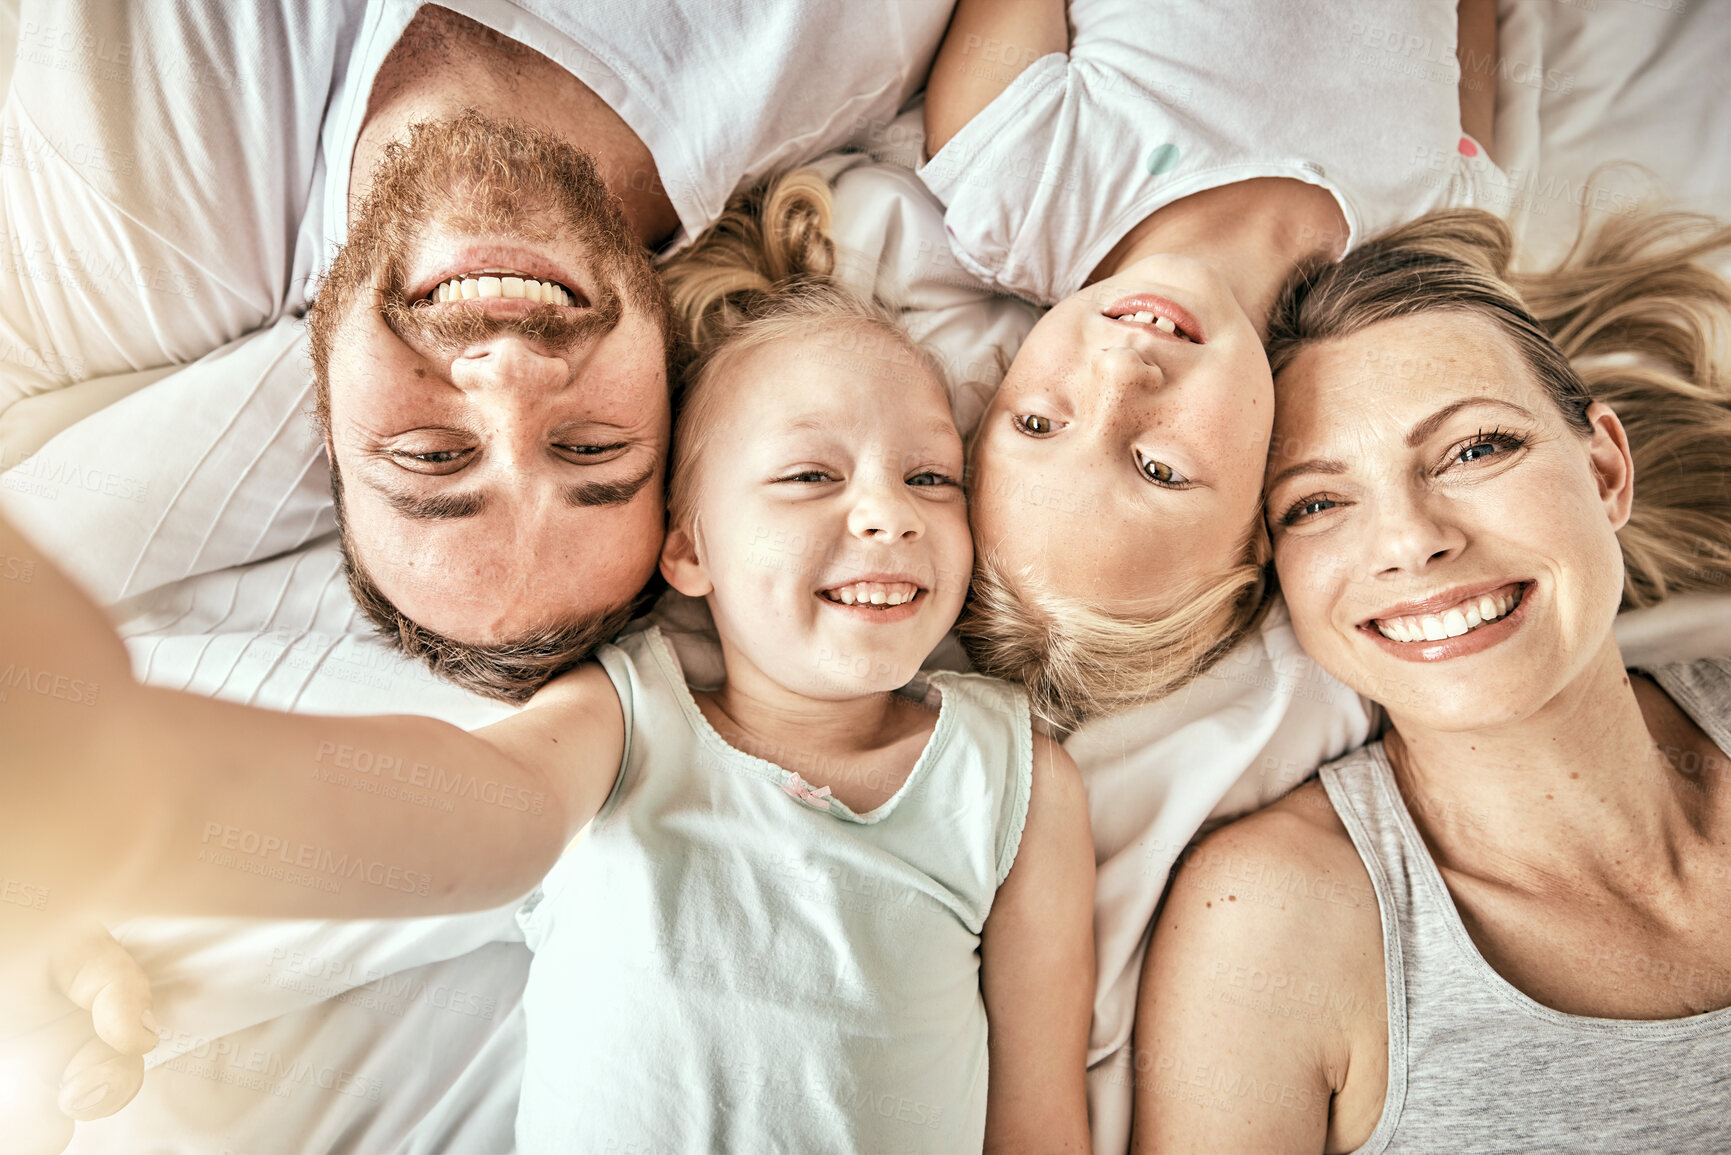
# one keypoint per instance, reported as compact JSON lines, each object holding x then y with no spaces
{"x":1509,"y":927}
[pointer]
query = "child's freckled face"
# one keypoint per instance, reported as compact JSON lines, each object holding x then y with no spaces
{"x":832,"y":474}
{"x":1121,"y":461}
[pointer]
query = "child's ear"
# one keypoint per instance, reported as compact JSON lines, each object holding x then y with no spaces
{"x":680,"y":564}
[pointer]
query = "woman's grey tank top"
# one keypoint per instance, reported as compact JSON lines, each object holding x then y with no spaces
{"x":1474,"y":1064}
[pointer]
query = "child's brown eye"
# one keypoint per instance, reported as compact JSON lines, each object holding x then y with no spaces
{"x":1035,"y":425}
{"x":1160,"y":473}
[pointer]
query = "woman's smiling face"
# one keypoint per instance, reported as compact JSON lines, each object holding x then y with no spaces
{"x":1445,"y":540}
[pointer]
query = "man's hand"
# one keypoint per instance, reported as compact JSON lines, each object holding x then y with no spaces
{"x":79,"y":1053}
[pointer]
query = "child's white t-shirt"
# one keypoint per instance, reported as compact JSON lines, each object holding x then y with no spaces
{"x":725,"y":963}
{"x":1158,"y":101}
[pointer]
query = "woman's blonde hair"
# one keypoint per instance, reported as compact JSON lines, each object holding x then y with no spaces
{"x":763,"y":273}
{"x":1629,"y":318}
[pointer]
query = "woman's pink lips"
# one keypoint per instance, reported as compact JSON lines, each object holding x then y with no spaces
{"x":1471,"y":642}
{"x":1160,"y":307}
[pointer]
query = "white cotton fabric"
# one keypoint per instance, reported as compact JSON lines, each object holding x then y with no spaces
{"x":1157,"y":101}
{"x":156,"y":161}
{"x":723,"y":94}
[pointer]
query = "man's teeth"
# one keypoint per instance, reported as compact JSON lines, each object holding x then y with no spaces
{"x":1164,"y":324}
{"x":1451,"y":623}
{"x":473,"y":286}
{"x":873,"y":593}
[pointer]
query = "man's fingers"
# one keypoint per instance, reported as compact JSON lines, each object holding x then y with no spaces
{"x":122,"y":1017}
{"x":96,"y":973}
{"x":99,"y":1081}
{"x":30,"y":1120}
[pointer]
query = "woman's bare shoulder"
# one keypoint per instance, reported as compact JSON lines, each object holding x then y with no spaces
{"x":1266,"y":961}
{"x":1291,"y":866}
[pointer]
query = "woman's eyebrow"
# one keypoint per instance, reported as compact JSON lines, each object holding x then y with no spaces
{"x":1424,"y":430}
{"x":1314,"y":465}
{"x":1415,"y":437}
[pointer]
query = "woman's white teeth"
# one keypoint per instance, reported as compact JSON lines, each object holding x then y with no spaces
{"x":474,"y":286}
{"x":1469,"y":615}
{"x":873,"y":593}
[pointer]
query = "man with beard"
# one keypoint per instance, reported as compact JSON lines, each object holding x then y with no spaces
{"x":170,"y":184}
{"x":174,"y":179}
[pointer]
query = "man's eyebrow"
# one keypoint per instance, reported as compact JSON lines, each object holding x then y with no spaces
{"x":439,"y":507}
{"x":591,"y":493}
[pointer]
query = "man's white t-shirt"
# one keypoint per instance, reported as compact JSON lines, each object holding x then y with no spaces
{"x":172,"y":176}
{"x":1158,"y":101}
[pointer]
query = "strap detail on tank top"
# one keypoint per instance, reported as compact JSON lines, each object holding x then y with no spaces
{"x":1354,"y":786}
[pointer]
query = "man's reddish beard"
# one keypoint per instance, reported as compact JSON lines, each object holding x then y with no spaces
{"x":478,"y":175}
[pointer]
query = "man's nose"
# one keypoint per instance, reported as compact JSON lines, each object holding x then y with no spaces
{"x":509,"y":363}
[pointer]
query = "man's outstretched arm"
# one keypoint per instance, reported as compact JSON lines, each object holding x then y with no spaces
{"x":122,"y":798}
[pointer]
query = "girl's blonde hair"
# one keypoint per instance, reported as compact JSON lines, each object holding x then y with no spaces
{"x":1629,"y":318}
{"x":1079,"y":660}
{"x":763,"y":273}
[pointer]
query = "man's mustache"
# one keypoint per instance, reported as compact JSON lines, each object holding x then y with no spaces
{"x":450,"y":328}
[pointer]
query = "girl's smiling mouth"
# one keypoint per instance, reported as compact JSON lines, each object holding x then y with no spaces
{"x":877,"y":598}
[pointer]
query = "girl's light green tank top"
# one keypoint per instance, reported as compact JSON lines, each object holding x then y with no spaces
{"x":729,"y":962}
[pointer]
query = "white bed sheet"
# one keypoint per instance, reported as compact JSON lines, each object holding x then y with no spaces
{"x":224,"y":580}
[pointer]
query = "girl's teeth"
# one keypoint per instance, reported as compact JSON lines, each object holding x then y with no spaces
{"x":873,"y":594}
{"x":1146,"y":317}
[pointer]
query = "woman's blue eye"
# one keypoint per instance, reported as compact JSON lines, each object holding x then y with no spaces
{"x":1308,"y":507}
{"x":1491,"y":444}
{"x":930,"y":478}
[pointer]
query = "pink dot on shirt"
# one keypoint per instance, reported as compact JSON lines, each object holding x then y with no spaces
{"x":1467,"y":147}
